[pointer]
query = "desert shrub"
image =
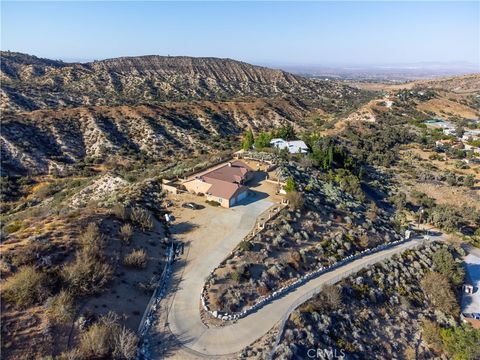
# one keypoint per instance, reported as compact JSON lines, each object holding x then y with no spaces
{"x":365,"y":241}
{"x":245,"y":245}
{"x":60,"y":308}
{"x":469,"y":181}
{"x":125,"y":233}
{"x":438,"y":290}
{"x":73,"y":354}
{"x":107,"y":339}
{"x":294,"y":259}
{"x":120,"y":212}
{"x":12,"y":227}
{"x":461,"y":342}
{"x":27,"y":287}
{"x":92,"y":240}
{"x":136,"y":258}
{"x":242,"y":273}
{"x":263,"y":290}
{"x":213,"y":203}
{"x":86,"y":274}
{"x":290,"y":185}
{"x":329,"y":298}
{"x":445,"y":264}
{"x":446,"y":217}
{"x":421,"y":199}
{"x":125,"y":344}
{"x":142,"y":218}
{"x":236,"y":276}
{"x":349,"y":183}
{"x":29,"y":254}
{"x":431,"y":334}
{"x":410,"y":353}
{"x":95,"y":342}
{"x":295,"y":200}
{"x":372,"y":212}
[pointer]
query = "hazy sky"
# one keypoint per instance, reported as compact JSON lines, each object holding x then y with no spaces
{"x":259,"y":32}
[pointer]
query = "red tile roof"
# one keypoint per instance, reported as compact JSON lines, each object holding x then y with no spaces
{"x":226,"y":179}
{"x":224,"y":189}
{"x":235,"y":172}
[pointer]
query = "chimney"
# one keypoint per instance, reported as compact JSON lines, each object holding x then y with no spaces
{"x":229,"y":164}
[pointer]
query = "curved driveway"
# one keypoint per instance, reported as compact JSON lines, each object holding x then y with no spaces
{"x":217,"y":234}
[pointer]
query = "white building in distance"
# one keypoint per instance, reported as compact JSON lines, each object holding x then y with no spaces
{"x":294,"y":146}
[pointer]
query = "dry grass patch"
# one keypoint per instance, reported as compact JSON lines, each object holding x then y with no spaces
{"x":107,"y":339}
{"x":87,"y":274}
{"x":141,"y":218}
{"x":27,"y":287}
{"x":125,"y":233}
{"x":137,"y":259}
{"x":61,"y":307}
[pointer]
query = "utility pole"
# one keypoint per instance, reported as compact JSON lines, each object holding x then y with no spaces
{"x":420,"y":216}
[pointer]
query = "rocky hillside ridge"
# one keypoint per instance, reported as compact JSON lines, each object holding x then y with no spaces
{"x":30,"y":83}
{"x":40,"y":141}
{"x":458,"y":84}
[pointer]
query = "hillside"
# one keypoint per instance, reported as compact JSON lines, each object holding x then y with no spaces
{"x":464,"y":84}
{"x":30,"y":83}
{"x":43,"y":140}
{"x":458,"y":84}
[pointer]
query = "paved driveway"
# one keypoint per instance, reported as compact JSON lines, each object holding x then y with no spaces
{"x":210,"y":235}
{"x":186,"y":325}
{"x":214,"y":232}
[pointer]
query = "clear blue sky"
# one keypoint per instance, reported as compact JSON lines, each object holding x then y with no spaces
{"x":259,"y":32}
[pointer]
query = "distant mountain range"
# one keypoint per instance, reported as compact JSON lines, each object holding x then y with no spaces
{"x":56,"y":114}
{"x":31,"y":83}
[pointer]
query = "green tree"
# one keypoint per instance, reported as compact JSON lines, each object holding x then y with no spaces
{"x":248,"y":140}
{"x":445,"y":264}
{"x":286,"y":132}
{"x":262,"y":140}
{"x":290,"y":185}
{"x":459,"y":131}
{"x":463,"y":343}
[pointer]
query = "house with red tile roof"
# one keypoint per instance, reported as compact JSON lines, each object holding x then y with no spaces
{"x":223,"y":184}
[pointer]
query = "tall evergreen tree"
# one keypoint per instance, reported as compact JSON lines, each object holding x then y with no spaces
{"x":248,"y":140}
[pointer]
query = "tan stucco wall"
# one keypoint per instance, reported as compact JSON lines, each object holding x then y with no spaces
{"x":223,"y":202}
{"x":196,"y":186}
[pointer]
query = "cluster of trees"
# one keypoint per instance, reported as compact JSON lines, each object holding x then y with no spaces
{"x":333,"y":157}
{"x":377,"y":144}
{"x":327,"y":153}
{"x":441,"y":288}
{"x":446,"y":216}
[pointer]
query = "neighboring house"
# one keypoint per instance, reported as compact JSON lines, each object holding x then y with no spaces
{"x":223,"y":184}
{"x":449,"y":131}
{"x":472,"y":148}
{"x":471,"y":134}
{"x":294,"y":147}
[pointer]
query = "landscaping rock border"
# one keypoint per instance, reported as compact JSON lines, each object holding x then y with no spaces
{"x":269,"y":298}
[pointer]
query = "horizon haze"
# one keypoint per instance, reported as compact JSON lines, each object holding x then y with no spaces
{"x":282,"y":35}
